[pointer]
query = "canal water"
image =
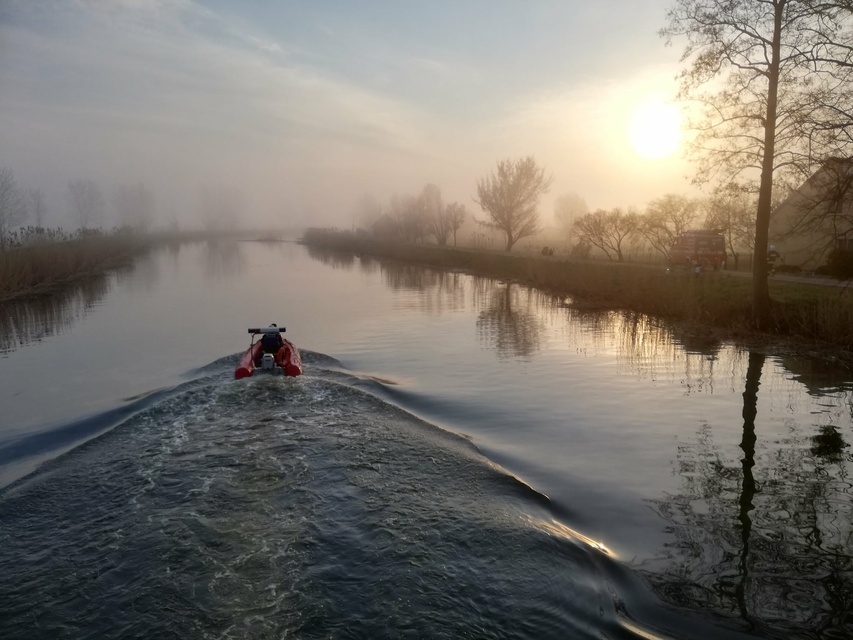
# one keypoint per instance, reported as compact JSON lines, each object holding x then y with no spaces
{"x":462,"y":458}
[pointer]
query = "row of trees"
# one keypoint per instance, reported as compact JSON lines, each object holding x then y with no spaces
{"x":414,"y":218}
{"x":509,"y":196}
{"x":663,"y":220}
{"x":134,"y":205}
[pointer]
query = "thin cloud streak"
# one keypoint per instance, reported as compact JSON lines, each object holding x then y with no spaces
{"x":175,"y":94}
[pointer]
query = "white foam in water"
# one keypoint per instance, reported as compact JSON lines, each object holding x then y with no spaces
{"x":302,"y":509}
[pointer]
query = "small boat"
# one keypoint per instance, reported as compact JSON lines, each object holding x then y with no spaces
{"x":271,"y":354}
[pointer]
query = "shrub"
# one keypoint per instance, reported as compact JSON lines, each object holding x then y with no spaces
{"x":789,"y":268}
{"x":840,"y":264}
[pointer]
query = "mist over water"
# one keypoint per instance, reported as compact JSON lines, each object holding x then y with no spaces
{"x":462,"y":458}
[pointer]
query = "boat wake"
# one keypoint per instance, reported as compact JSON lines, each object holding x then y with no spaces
{"x":305,"y":507}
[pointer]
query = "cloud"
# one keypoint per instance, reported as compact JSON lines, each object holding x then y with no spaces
{"x":174,"y":94}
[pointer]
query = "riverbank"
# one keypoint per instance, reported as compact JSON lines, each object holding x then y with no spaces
{"x":806,"y":317}
{"x":38,"y":269}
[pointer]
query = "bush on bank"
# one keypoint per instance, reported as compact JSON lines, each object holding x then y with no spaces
{"x":717,"y":299}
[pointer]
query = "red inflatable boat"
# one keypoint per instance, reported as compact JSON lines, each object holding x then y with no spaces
{"x":271,"y":354}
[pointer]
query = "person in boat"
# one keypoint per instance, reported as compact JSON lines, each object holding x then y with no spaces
{"x":272,"y":342}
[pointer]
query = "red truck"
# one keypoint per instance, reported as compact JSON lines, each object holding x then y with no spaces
{"x":706,"y":248}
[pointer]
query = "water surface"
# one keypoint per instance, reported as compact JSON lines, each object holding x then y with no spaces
{"x":463,"y":458}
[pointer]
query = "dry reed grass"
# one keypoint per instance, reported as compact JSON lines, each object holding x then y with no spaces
{"x":716,"y":299}
{"x":34,"y":269}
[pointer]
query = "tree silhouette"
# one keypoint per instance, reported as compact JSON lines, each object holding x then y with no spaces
{"x":510,"y":197}
{"x":607,"y":230}
{"x":764,"y":73}
{"x":87,"y":202}
{"x":665,"y":218}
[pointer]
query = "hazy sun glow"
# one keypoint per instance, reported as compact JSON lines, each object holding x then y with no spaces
{"x":654,"y":130}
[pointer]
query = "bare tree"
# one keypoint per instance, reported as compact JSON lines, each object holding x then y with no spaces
{"x":12,"y":209}
{"x":455,"y":216}
{"x":732,"y":211}
{"x":435,"y":214}
{"x":665,"y":218}
{"x":36,"y":208}
{"x":569,"y":208}
{"x":135,"y":206}
{"x":412,"y":221}
{"x":510,"y":197}
{"x":86,"y":202}
{"x":764,"y":66}
{"x":607,"y":230}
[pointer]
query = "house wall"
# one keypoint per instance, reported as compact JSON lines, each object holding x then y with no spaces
{"x":805,"y":248}
{"x":806,"y":226}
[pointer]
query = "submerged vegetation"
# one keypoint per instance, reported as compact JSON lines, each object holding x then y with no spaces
{"x":720,"y":301}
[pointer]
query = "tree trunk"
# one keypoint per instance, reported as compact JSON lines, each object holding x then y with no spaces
{"x":760,"y":292}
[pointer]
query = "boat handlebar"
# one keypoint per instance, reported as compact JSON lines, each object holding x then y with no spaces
{"x":267,"y":330}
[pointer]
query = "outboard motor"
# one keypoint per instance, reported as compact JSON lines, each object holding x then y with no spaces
{"x":268,"y":362}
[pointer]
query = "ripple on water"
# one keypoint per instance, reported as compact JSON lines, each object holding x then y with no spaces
{"x":279,"y":507}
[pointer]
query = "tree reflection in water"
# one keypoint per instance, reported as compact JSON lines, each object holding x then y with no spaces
{"x":223,"y":258}
{"x":26,"y":321}
{"x":437,"y":291}
{"x":649,"y":349}
{"x":507,"y":322}
{"x":332,"y":258}
{"x":404,"y":277}
{"x":747,"y":494}
{"x":766,"y":539}
{"x":144,"y":274}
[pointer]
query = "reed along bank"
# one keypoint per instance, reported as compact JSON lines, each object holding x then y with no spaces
{"x":37,"y":262}
{"x":803,"y":315}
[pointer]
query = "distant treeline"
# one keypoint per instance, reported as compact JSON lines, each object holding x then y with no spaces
{"x":718,"y":301}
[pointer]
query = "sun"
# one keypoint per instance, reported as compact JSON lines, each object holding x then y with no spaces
{"x":654,"y":130}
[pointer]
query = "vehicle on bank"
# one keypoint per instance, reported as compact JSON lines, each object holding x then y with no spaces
{"x":270,"y":354}
{"x":705,"y":248}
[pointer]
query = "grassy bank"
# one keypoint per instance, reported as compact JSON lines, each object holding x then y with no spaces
{"x":812,"y":314}
{"x":39,"y":268}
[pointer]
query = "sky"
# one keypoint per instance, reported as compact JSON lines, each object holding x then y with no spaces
{"x":306,"y":106}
